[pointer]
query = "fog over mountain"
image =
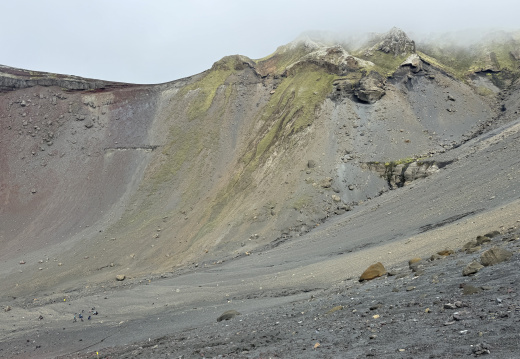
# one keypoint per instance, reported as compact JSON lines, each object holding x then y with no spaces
{"x":159,"y":41}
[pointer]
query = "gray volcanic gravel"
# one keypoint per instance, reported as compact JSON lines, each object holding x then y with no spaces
{"x":405,"y":314}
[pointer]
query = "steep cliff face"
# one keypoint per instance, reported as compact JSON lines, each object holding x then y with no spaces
{"x":248,"y":153}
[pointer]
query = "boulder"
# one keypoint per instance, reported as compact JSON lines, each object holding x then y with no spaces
{"x":472,"y":268}
{"x":414,"y":260}
{"x":371,"y":88}
{"x":482,"y":239}
{"x":495,"y":255}
{"x":374,"y":271}
{"x":414,"y":61}
{"x":230,"y":314}
{"x":471,"y":244}
{"x":492,"y":234}
{"x":445,"y":253}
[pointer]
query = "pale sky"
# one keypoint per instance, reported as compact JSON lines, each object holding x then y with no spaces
{"x":158,"y":41}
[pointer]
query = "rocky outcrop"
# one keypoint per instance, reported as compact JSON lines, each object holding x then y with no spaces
{"x":414,"y":62}
{"x":394,"y":42}
{"x":335,"y":59}
{"x":400,"y":174}
{"x":371,"y":88}
{"x":12,"y":79}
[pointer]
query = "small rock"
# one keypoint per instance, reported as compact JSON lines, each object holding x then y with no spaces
{"x":469,"y":289}
{"x":374,"y":271}
{"x":492,"y":234}
{"x":410,"y":288}
{"x":326,"y":182}
{"x":7,"y":308}
{"x":435,"y":257}
{"x":482,"y":239}
{"x":414,"y":260}
{"x":120,"y":277}
{"x":470,"y":244}
{"x":472,"y":268}
{"x":473,"y":249}
{"x":230,"y":314}
{"x":450,"y":306}
{"x":481,"y":348}
{"x":445,"y":253}
{"x":311,"y":164}
{"x":335,"y":309}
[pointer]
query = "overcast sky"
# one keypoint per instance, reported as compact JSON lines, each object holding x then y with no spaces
{"x":158,"y":41}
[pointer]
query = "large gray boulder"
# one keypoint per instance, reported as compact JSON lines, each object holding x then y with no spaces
{"x":495,"y":255}
{"x":371,"y":88}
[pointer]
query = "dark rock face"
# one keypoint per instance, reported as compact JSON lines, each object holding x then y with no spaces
{"x":371,"y":88}
{"x":13,"y":79}
{"x":401,"y":174}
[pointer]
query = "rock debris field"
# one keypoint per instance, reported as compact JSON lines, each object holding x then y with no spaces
{"x":429,"y":309}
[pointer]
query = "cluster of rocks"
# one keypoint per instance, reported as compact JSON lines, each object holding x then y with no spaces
{"x":421,"y":311}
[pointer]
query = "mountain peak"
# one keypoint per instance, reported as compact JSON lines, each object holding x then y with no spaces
{"x":394,"y":42}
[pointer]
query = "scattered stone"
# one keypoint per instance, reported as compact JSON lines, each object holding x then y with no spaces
{"x":469,"y":289}
{"x":435,"y":257}
{"x":492,"y":234}
{"x":470,"y":244}
{"x":377,"y":306}
{"x":482,"y":239}
{"x":374,"y":271}
{"x":120,"y":277}
{"x":474,"y":249}
{"x":326,"y":182}
{"x":416,"y":265}
{"x":495,"y":255}
{"x":472,"y":268}
{"x":481,"y":348}
{"x":230,"y":314}
{"x":445,"y":253}
{"x":335,"y":309}
{"x":414,"y":260}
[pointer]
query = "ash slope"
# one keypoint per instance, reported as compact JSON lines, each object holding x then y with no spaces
{"x":144,"y":180}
